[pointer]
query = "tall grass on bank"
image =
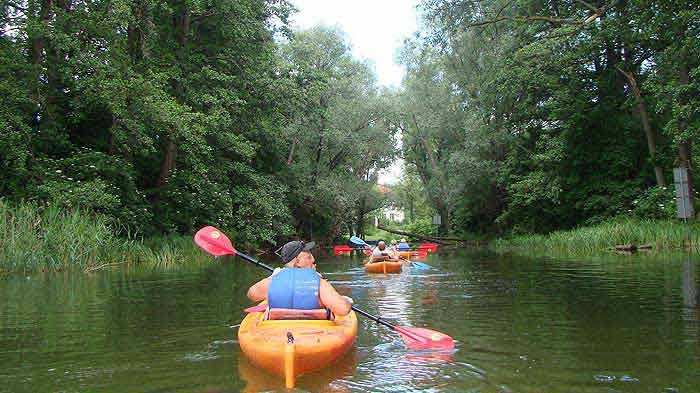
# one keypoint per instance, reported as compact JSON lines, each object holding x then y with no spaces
{"x":660,"y":234}
{"x":43,"y":238}
{"x":169,"y":251}
{"x":48,"y":238}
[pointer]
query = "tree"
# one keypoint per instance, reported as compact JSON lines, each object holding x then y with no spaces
{"x":337,"y":135}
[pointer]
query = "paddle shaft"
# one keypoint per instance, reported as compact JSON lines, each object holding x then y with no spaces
{"x":254,"y":261}
{"x":372,"y":317}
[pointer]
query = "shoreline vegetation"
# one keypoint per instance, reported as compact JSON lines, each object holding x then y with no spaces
{"x":661,"y":234}
{"x":36,"y":238}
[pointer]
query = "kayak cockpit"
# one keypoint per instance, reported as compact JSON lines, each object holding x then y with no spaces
{"x":276,"y":314}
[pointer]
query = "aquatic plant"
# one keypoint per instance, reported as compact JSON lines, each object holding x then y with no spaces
{"x":46,"y":237}
{"x":35,"y":237}
{"x":168,"y":251}
{"x":660,"y":234}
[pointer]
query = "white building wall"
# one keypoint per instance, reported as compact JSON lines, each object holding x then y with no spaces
{"x":393,"y":215}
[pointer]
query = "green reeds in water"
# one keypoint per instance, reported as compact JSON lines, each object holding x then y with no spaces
{"x":43,"y":238}
{"x":660,"y":234}
{"x":171,"y":251}
{"x":48,"y":238}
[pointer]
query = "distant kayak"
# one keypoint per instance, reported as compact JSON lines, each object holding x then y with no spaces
{"x":290,"y":348}
{"x":384,"y":265}
{"x":415,"y":253}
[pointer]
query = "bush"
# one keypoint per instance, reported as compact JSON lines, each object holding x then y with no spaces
{"x":655,"y":202}
{"x":422,"y":226}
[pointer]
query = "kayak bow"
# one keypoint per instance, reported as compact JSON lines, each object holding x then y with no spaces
{"x":290,"y":348}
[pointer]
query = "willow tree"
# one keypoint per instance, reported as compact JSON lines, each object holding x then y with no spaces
{"x":565,"y":103}
{"x":337,"y":139}
{"x":432,"y":126}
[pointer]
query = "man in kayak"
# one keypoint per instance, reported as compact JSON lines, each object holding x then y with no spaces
{"x":403,"y":246}
{"x":380,"y":250}
{"x":297,"y":285}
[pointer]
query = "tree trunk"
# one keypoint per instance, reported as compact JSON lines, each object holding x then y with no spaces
{"x":182,"y":24}
{"x":319,"y":147}
{"x":646,"y":125}
{"x":290,"y":156}
{"x":421,"y":237}
{"x":444,"y":227}
{"x":36,"y":48}
{"x":111,"y":147}
{"x":168,"y":162}
{"x":441,"y":200}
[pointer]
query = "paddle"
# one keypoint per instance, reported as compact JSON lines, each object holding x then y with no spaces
{"x":216,"y":243}
{"x":417,"y":265}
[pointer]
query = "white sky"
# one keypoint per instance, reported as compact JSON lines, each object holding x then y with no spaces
{"x":375,"y":28}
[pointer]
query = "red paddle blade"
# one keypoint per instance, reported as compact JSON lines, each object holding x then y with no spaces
{"x":421,"y":338}
{"x":342,"y":250}
{"x":367,"y":251}
{"x":214,"y":241}
{"x":419,"y":254}
{"x":428,"y":247}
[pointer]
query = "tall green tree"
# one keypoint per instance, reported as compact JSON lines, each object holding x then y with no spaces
{"x":338,"y":137}
{"x":569,"y":110}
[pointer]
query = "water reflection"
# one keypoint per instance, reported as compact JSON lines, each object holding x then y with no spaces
{"x":528,"y":325}
{"x":691,"y":312}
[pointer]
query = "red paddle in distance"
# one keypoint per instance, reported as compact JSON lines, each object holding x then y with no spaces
{"x":216,"y":243}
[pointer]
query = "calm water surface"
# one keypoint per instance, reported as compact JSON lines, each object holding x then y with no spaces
{"x":522,"y":325}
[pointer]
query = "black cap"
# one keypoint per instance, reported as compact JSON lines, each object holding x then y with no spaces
{"x":292,"y":249}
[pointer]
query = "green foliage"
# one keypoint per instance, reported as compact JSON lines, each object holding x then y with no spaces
{"x":655,"y":202}
{"x":166,"y":116}
{"x":528,"y":118}
{"x":421,"y":226}
{"x":339,"y":136}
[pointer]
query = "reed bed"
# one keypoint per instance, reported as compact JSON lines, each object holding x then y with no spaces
{"x":660,"y":234}
{"x":48,"y":238}
{"x":45,"y":238}
{"x":169,"y":251}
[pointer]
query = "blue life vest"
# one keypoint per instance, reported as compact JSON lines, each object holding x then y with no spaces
{"x":403,"y":247}
{"x":295,"y":288}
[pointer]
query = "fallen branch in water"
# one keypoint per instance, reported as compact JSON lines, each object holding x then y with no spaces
{"x":92,"y":269}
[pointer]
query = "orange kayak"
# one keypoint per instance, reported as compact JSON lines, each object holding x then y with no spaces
{"x":384,"y":267}
{"x":315,"y":343}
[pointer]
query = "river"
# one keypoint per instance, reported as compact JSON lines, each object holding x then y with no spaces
{"x":522,"y":324}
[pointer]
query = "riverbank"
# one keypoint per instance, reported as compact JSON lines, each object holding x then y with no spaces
{"x":661,"y":235}
{"x":48,"y":238}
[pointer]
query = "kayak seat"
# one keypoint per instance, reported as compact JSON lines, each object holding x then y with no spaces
{"x":289,"y":313}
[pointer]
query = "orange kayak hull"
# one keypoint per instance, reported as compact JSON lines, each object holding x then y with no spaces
{"x":317,"y":343}
{"x":384,"y":267}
